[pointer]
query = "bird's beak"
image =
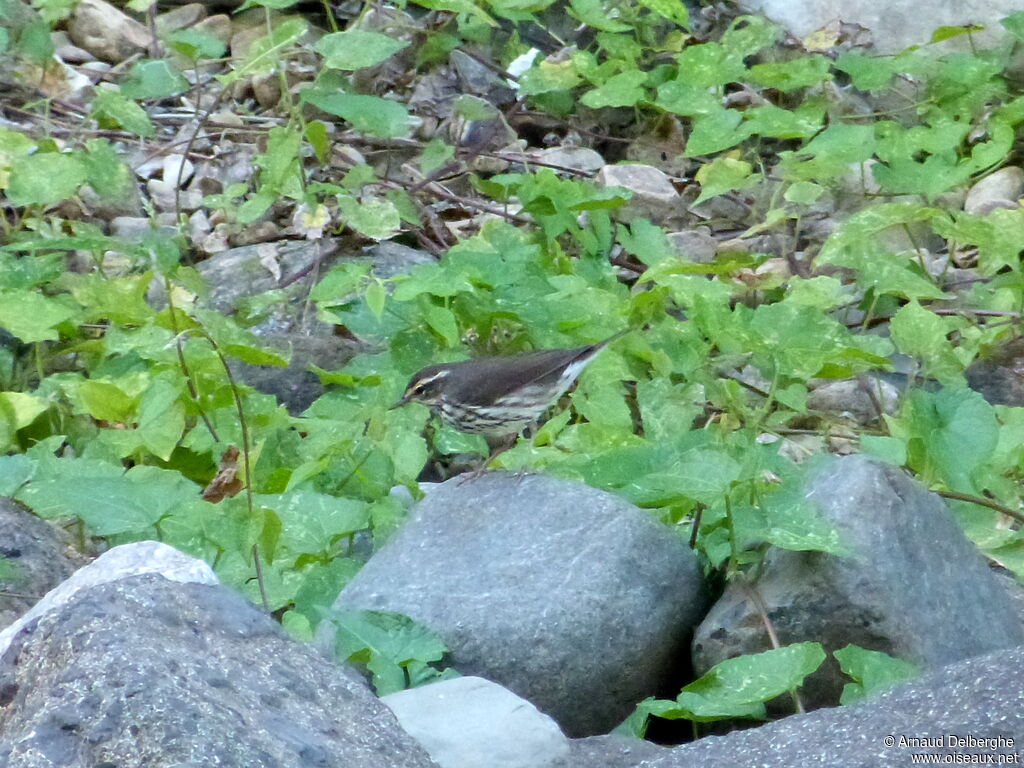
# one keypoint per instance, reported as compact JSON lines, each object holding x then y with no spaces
{"x":400,"y":403}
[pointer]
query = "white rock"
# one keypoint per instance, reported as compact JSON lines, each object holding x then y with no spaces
{"x":468,"y":722}
{"x":113,"y":565}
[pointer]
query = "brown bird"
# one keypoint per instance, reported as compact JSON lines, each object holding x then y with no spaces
{"x":500,"y":396}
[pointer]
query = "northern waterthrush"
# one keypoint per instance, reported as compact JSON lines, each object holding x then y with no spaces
{"x":499,"y":396}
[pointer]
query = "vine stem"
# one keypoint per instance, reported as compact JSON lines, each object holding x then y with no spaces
{"x":246,"y":451}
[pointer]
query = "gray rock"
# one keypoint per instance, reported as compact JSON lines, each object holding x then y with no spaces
{"x":696,"y":245}
{"x":106,"y":32}
{"x":663,"y":145}
{"x":862,"y":400}
{"x":894,"y":24}
{"x":389,"y":259}
{"x":239,"y":273}
{"x":296,"y":387}
{"x":164,"y":197}
{"x":915,"y":587}
{"x":134,"y":227}
{"x":468,"y":722}
{"x":580,"y":158}
{"x":67,"y":51}
{"x":1002,"y":189}
{"x":147,"y":673}
{"x":982,"y":697}
{"x":180,"y":17}
{"x":569,"y":596}
{"x":35,"y":556}
{"x":142,"y":557}
{"x":218,"y":25}
{"x":609,"y":751}
{"x":999,"y":376}
{"x":654,"y":197}
{"x":480,"y":80}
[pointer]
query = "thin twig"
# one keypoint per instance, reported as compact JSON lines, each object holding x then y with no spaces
{"x":981,"y":501}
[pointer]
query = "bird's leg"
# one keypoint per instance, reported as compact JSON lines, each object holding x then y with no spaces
{"x":498,"y":446}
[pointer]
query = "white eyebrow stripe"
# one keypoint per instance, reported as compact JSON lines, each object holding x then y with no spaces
{"x":439,"y":375}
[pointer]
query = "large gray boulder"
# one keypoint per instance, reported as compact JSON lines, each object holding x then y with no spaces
{"x":982,"y":698}
{"x":145,"y":672}
{"x":912,"y":586}
{"x":894,"y":24}
{"x":571,"y":597}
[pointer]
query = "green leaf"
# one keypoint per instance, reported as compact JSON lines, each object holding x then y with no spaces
{"x":238,"y":342}
{"x":622,"y":90}
{"x":738,"y":687}
{"x":792,"y":340}
{"x":341,"y":282}
{"x":467,"y":7}
{"x":196,"y":44}
{"x":119,"y":299}
{"x":34,"y":42}
{"x":436,"y":154}
{"x":357,"y":48}
{"x":373,"y":217}
{"x":684,"y":98}
{"x":995,"y":235}
{"x":316,"y":134}
{"x":109,"y":176}
{"x":111,"y":109}
{"x":715,"y":132}
{"x":803,"y":193}
{"x":280,"y":163}
{"x":1014,"y":24}
{"x":595,"y":14}
{"x":409,"y":454}
{"x":17,"y":411}
{"x":769,"y":120}
{"x":704,"y":475}
{"x":802,"y":72}
{"x":873,"y":672}
{"x":109,"y":505}
{"x":256,"y":206}
{"x":450,"y":442}
{"x":376,"y":296}
{"x":951,"y":435}
{"x":45,"y":178}
{"x":254,"y":355}
{"x":924,"y":335}
{"x":264,"y":54}
{"x":53,"y":11}
{"x":868,"y":73}
{"x":792,"y":523}
{"x":369,"y":114}
{"x":162,"y":415}
{"x":889,"y":449}
{"x":388,"y":643}
{"x":313,"y":523}
{"x":277,"y":5}
{"x":948,"y":32}
{"x":749,"y":34}
{"x":106,"y":401}
{"x":830,"y":153}
{"x":673,"y":10}
{"x":31,"y":316}
{"x":724,"y":174}
{"x":442,"y":321}
{"x":153,"y":79}
{"x":548,"y":77}
{"x":647,"y":242}
{"x":15,"y":471}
